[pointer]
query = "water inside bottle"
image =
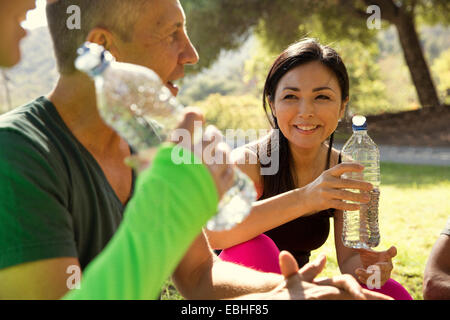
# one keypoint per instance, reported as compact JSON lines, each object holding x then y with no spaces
{"x":361,"y":226}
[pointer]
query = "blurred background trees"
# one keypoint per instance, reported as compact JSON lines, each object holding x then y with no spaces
{"x":239,"y":39}
{"x":401,"y":66}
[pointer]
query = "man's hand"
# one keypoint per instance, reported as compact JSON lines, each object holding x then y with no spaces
{"x":211,"y":148}
{"x":212,"y":142}
{"x":301,"y":284}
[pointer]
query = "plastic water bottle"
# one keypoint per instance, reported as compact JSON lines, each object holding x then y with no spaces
{"x":361,"y":226}
{"x":133,"y":100}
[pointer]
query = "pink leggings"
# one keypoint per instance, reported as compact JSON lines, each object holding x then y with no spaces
{"x":261,"y":254}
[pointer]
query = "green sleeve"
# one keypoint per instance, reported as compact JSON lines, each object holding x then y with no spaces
{"x":170,"y":206}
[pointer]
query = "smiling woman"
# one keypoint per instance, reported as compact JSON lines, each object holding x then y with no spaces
{"x":305,"y":94}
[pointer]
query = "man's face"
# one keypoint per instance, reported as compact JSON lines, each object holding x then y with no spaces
{"x":12,"y":13}
{"x":160,"y":42}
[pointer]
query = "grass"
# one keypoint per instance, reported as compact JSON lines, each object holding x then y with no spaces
{"x":414,"y":208}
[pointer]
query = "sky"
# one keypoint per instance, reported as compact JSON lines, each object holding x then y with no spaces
{"x":36,"y":18}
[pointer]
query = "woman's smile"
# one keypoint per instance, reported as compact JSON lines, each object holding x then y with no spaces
{"x":306,"y":129}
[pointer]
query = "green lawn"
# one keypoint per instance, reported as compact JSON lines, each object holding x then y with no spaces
{"x":414,"y":207}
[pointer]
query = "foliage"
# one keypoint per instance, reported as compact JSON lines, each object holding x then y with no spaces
{"x":234,"y":112}
{"x":432,"y":12}
{"x":441,"y":69}
{"x":281,"y":22}
{"x":434,"y":40}
{"x":367,"y":91}
{"x":212,"y":30}
{"x":223,"y":77}
{"x":400,"y":92}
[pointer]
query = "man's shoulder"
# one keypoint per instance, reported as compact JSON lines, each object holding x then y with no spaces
{"x":28,"y":124}
{"x":22,"y":116}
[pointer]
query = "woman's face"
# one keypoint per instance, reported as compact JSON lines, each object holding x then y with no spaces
{"x":308,"y":104}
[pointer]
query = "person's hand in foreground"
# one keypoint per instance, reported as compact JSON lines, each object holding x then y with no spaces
{"x":374,"y":261}
{"x":213,"y":141}
{"x":302,"y":285}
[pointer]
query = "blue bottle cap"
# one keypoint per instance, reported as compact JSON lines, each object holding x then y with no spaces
{"x":359,"y":123}
{"x":93,"y":59}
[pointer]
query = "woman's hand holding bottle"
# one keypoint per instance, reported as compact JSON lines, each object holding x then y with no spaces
{"x":329,"y":190}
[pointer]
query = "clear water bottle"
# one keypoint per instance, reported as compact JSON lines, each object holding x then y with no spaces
{"x":361,"y":226}
{"x":133,"y":100}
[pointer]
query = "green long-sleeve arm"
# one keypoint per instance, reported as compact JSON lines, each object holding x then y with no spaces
{"x":170,"y":206}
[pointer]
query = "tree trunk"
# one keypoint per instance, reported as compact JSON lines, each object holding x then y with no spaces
{"x":414,"y":57}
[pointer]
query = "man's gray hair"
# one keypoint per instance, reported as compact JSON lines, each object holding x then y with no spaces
{"x":117,"y":16}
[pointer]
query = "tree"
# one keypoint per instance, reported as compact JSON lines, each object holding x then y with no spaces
{"x":401,"y":14}
{"x":217,"y":24}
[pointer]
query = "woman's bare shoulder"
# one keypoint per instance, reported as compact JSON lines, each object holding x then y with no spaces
{"x":246,"y":159}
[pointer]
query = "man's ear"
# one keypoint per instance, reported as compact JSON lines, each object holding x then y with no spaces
{"x":104,"y":38}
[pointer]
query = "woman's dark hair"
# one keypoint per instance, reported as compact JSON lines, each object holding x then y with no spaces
{"x":299,"y":53}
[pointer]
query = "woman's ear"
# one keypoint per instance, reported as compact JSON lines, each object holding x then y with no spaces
{"x":272,"y":107}
{"x":344,"y":106}
{"x":104,"y":38}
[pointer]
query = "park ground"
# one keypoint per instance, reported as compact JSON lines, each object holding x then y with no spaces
{"x":414,"y":207}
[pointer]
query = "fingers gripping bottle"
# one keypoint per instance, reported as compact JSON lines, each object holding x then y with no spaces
{"x":133,"y":100}
{"x":361,"y":226}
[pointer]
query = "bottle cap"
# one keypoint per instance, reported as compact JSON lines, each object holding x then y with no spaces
{"x":359,"y":123}
{"x":92,"y":59}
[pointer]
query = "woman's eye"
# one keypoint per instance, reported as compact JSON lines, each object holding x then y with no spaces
{"x":322,"y":97}
{"x":290,"y":96}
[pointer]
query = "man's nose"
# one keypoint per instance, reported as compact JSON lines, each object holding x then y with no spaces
{"x":189,"y":55}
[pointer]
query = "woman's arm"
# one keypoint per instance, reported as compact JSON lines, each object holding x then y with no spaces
{"x":265,"y":214}
{"x":327,"y":191}
{"x":348,"y":259}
